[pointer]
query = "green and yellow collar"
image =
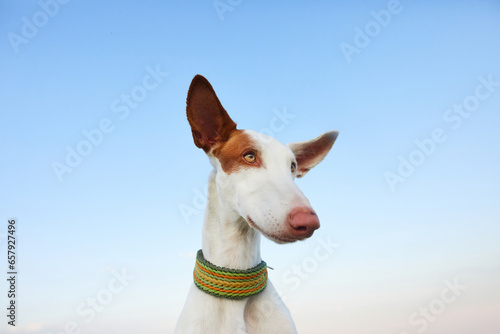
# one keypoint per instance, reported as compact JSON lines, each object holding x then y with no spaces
{"x":229,"y":283}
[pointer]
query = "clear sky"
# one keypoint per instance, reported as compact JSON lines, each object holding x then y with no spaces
{"x":99,"y":168}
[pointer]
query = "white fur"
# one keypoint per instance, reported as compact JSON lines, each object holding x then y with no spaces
{"x":266,"y":194}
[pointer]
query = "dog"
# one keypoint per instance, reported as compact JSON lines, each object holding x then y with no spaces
{"x":251,"y":193}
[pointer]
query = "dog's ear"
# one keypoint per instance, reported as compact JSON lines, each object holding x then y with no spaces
{"x":209,"y":122}
{"x":312,"y":152}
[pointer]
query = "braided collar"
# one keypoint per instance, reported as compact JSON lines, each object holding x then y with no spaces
{"x":229,"y":283}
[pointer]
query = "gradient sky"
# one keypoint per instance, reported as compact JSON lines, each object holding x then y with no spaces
{"x":395,"y":249}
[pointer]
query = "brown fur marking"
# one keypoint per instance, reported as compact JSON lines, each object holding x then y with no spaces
{"x":230,"y":153}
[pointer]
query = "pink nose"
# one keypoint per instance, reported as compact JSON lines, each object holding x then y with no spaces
{"x":303,"y":222}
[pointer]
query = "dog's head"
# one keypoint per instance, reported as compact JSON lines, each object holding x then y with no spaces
{"x":254,"y":172}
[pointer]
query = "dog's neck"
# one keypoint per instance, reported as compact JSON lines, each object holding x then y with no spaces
{"x":227,"y":240}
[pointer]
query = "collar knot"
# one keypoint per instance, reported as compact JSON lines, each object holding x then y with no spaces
{"x":229,"y":283}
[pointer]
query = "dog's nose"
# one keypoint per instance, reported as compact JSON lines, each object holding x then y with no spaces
{"x":303,"y":222}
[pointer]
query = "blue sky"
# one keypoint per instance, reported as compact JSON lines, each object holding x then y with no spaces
{"x":390,"y":250}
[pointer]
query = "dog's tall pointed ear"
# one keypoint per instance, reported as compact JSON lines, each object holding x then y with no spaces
{"x":209,"y":122}
{"x":312,"y":152}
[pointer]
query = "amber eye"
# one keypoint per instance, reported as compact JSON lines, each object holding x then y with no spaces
{"x":293,"y":167}
{"x":249,"y":157}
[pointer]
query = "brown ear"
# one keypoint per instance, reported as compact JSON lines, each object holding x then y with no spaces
{"x":209,"y":122}
{"x":312,"y":152}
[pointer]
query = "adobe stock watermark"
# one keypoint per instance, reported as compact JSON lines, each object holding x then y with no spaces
{"x":454,"y":117}
{"x":223,"y":6}
{"x":88,"y":309}
{"x":372,"y":29}
{"x":31,"y":26}
{"x":295,"y":276}
{"x":323,"y":251}
{"x":265,"y":308}
{"x":429,"y":313}
{"x":278,"y":123}
{"x":121,"y":107}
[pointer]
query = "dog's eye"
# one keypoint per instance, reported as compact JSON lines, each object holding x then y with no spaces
{"x":293,"y":167}
{"x":249,"y":157}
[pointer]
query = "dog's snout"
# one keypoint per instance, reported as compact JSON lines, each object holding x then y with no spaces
{"x":303,"y":221}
